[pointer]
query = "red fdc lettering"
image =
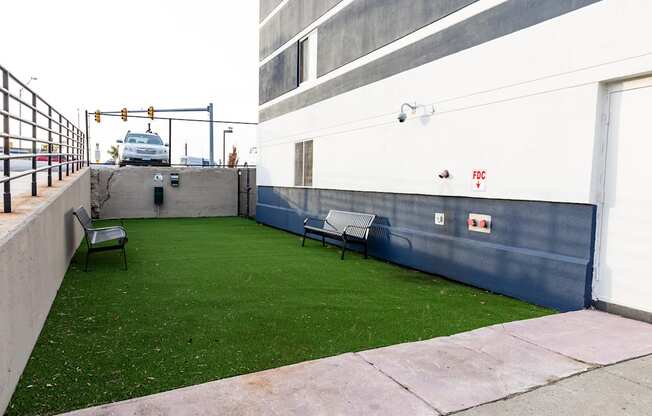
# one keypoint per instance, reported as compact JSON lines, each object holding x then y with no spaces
{"x":480,"y":174}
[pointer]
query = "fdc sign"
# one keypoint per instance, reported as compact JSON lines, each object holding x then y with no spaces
{"x":479,"y":180}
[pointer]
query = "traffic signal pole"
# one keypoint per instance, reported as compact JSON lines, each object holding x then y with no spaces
{"x":124,"y":113}
{"x":210,"y":134}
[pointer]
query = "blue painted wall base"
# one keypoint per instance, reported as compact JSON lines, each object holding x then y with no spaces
{"x":540,"y":252}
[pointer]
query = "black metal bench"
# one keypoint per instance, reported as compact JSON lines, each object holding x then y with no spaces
{"x":96,"y":236}
{"x":347,"y":227}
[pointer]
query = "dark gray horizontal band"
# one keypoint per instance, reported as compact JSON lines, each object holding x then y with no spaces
{"x":295,"y":16}
{"x":541,"y":252}
{"x":266,"y":7}
{"x":502,"y":20}
{"x":279,"y":76}
{"x":363,"y":26}
{"x":366,"y":25}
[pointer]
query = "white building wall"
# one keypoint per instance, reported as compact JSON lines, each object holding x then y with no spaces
{"x":525,"y":107}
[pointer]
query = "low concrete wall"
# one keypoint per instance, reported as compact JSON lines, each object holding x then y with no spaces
{"x":127,"y":192}
{"x":34,"y":256}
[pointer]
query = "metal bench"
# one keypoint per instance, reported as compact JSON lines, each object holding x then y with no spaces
{"x":96,"y":236}
{"x":348,"y":227}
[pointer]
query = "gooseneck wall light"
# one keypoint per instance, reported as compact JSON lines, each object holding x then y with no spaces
{"x":402,"y":116}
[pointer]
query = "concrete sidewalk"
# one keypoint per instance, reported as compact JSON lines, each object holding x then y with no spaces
{"x":551,"y":365}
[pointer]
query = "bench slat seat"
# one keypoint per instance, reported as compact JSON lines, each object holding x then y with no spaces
{"x":324,"y":231}
{"x":348,"y":227}
{"x":98,"y":236}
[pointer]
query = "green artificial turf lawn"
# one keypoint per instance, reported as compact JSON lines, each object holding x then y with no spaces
{"x":206,"y":299}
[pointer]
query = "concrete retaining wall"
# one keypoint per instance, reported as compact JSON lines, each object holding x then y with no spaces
{"x":34,"y":256}
{"x":128,"y":193}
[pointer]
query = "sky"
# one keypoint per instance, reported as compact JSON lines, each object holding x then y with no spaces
{"x":135,"y":54}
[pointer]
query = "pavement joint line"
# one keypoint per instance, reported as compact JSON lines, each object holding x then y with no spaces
{"x":553,"y":382}
{"x":590,"y":364}
{"x":401,"y":385}
{"x":608,"y":368}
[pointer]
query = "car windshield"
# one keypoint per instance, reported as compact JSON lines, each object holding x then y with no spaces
{"x":144,"y":139}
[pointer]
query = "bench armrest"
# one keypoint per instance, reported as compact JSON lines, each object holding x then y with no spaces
{"x":308,"y":219}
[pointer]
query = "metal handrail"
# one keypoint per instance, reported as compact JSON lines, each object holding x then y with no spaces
{"x":34,"y":124}
{"x":70,"y":142}
{"x":30,"y":155}
{"x":32,"y":171}
{"x":32,"y":92}
{"x":29,"y":139}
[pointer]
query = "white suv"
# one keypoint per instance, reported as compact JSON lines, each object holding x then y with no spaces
{"x":143,"y":147}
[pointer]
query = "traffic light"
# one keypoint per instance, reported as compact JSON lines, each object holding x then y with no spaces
{"x":150,"y":112}
{"x":123,"y":114}
{"x":97,"y":116}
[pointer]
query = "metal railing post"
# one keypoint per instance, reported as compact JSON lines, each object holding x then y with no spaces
{"x":5,"y":130}
{"x":50,"y":145}
{"x":87,"y":137}
{"x":69,"y":132}
{"x":67,"y":151}
{"x":79,"y":148}
{"x":60,"y":156}
{"x":82,"y":149}
{"x":76,"y":138}
{"x":34,"y":134}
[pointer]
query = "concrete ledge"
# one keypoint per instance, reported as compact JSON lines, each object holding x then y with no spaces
{"x":37,"y":242}
{"x":623,"y":311}
{"x":128,"y":192}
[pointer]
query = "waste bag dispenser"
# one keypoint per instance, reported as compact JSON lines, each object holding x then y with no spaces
{"x":157,"y":184}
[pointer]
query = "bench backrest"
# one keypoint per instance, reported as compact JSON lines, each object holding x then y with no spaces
{"x":338,"y":220}
{"x":83,"y":218}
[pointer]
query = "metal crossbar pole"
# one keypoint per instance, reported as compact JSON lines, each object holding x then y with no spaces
{"x":195,"y":120}
{"x":166,"y":110}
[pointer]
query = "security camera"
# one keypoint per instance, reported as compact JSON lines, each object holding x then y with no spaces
{"x":402,"y":116}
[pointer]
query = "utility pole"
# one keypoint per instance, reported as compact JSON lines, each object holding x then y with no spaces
{"x":210,"y":134}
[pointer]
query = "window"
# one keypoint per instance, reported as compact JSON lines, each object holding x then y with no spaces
{"x":308,"y":58}
{"x":144,"y":139}
{"x":303,"y":163}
